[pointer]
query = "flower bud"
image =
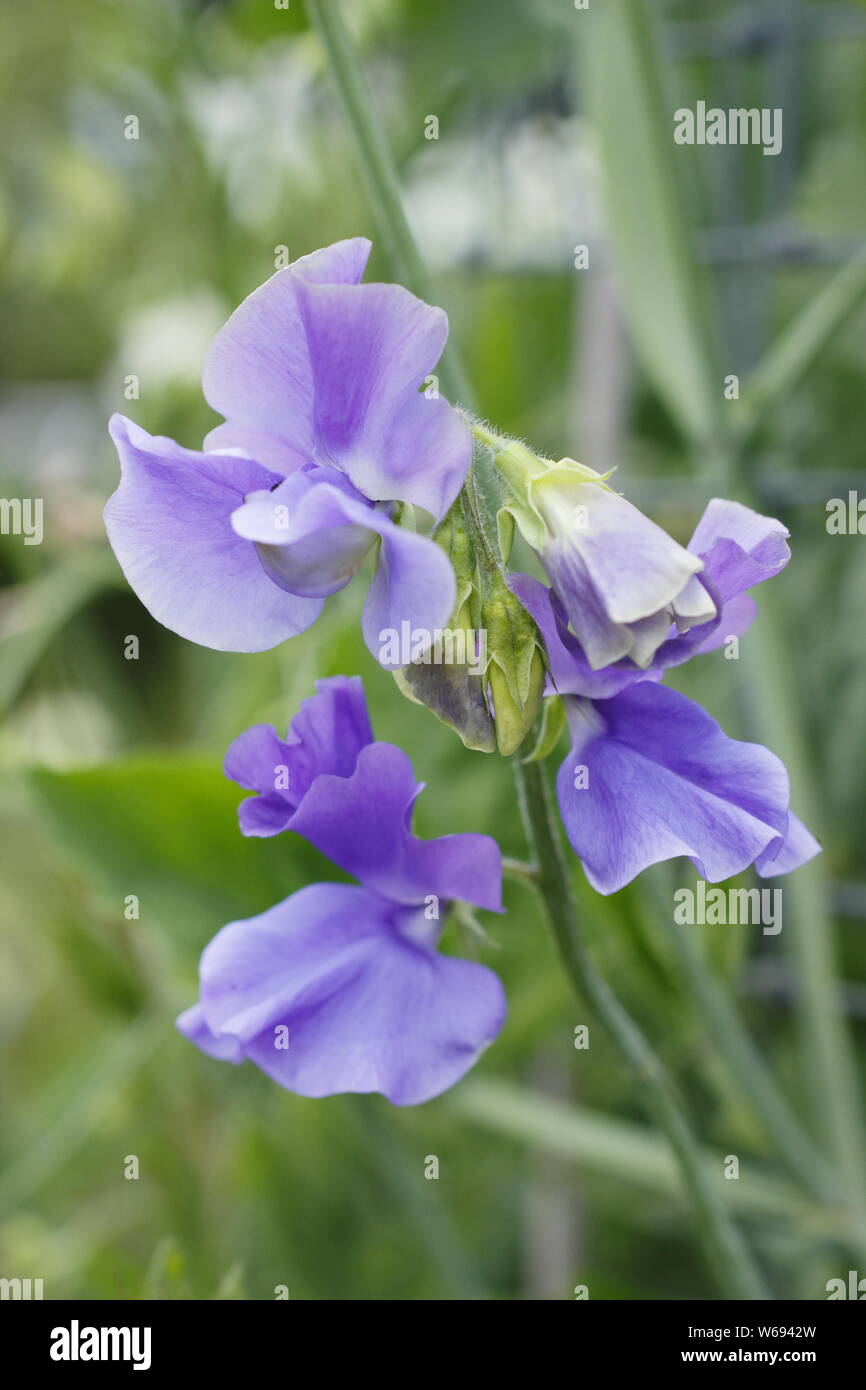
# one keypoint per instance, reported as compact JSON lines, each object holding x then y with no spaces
{"x":483,"y":675}
{"x":622,"y":580}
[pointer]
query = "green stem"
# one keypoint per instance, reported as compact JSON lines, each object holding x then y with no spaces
{"x":727,"y":1251}
{"x":380,"y":173}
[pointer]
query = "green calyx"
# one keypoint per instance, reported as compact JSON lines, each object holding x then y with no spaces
{"x":486,"y":676}
{"x":533,"y":488}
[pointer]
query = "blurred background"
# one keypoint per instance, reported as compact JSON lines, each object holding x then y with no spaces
{"x":119,"y":258}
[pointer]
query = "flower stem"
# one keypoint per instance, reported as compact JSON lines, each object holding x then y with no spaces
{"x":726,"y":1250}
{"x":380,"y":173}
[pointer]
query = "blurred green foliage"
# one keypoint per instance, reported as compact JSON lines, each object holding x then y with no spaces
{"x":121,"y":257}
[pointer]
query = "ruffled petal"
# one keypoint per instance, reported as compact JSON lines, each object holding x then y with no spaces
{"x":315,"y":367}
{"x":798,"y":847}
{"x":169,"y":524}
{"x":325,"y":736}
{"x":224,"y":1047}
{"x":372,"y":347}
{"x":651,"y":776}
{"x":740,"y":548}
{"x":258,"y":372}
{"x":362,"y":823}
{"x":336,"y":990}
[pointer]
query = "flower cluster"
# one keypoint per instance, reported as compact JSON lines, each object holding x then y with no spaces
{"x":335,"y":448}
{"x":326,"y":437}
{"x":650,"y":776}
{"x":341,"y":987}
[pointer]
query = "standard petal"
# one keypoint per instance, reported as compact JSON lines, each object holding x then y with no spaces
{"x":334,"y":991}
{"x":371,"y":348}
{"x":169,"y":524}
{"x":362,"y":823}
{"x":325,"y":736}
{"x":258,"y":372}
{"x":651,"y":776}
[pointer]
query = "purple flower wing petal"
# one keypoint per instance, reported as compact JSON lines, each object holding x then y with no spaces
{"x":169,"y":524}
{"x":739,"y":547}
{"x":326,"y":993}
{"x":662,"y":780}
{"x":798,"y":847}
{"x":414,"y":583}
{"x":570,"y":672}
{"x":737,"y":616}
{"x":325,"y":736}
{"x":193,"y":1026}
{"x":316,"y":543}
{"x":362,"y":824}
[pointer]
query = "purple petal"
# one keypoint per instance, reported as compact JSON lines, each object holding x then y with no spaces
{"x":611,"y":566}
{"x":413,"y":584}
{"x":193,"y":1026}
{"x":740,"y":548}
{"x":664,"y":780}
{"x":276,"y":454}
{"x":798,"y":847}
{"x":735,"y":617}
{"x":325,"y":736}
{"x":258,"y":372}
{"x":362,"y":823}
{"x":336,"y":990}
{"x":169,"y":524}
{"x":312,"y":537}
{"x":571,"y":673}
{"x":315,"y":367}
{"x":372,"y":347}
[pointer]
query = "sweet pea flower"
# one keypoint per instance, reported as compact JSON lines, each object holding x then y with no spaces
{"x":342,"y":987}
{"x":621,"y":579}
{"x":650,"y":775}
{"x":736,"y":548}
{"x":326,"y":434}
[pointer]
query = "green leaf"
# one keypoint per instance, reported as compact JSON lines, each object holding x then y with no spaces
{"x":165,"y":829}
{"x":663,"y":293}
{"x":615,"y":1148}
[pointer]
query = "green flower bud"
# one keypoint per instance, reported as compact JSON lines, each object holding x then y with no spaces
{"x":484,"y":675}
